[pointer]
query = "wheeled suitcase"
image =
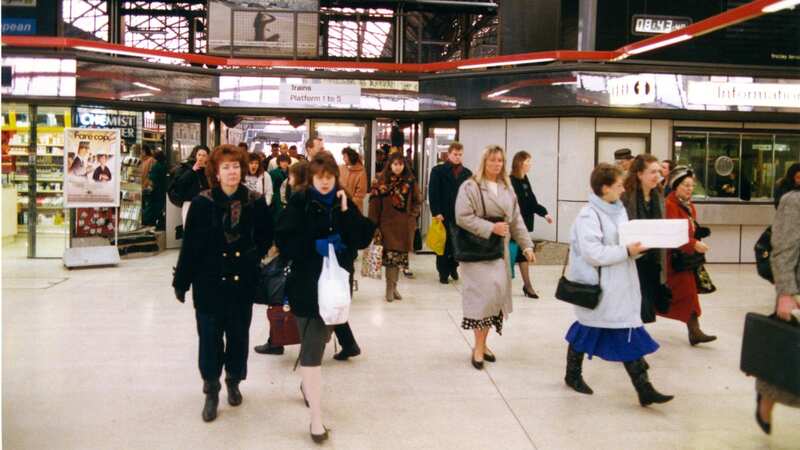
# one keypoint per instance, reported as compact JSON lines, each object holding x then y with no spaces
{"x":771,"y":351}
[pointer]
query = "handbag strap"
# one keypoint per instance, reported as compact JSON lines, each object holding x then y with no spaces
{"x":602,"y":233}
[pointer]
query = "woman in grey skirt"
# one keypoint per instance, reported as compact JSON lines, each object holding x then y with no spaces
{"x":315,"y":219}
{"x":486,"y":293}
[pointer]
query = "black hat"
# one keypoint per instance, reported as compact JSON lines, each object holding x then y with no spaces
{"x":623,"y":153}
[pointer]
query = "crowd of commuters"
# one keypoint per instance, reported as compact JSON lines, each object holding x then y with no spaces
{"x":243,"y":206}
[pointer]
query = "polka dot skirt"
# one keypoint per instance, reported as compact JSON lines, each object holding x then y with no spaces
{"x":488,"y":322}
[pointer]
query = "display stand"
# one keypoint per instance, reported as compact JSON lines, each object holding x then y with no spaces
{"x":88,"y":146}
{"x":94,"y":256}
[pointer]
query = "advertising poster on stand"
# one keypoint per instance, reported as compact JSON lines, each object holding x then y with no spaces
{"x":91,"y":168}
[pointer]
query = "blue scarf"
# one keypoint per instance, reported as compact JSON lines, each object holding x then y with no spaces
{"x":325,"y":199}
{"x":321,"y":245}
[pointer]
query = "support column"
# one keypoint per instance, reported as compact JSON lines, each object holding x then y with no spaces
{"x":587,"y":25}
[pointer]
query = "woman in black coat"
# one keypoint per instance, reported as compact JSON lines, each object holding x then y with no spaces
{"x":189,"y":179}
{"x":644,"y":200}
{"x":314,"y":218}
{"x":228,"y":232}
{"x":528,"y":206}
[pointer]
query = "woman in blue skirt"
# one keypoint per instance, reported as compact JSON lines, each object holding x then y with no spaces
{"x":613,"y":330}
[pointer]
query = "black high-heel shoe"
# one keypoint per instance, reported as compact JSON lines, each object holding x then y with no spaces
{"x":318,"y":438}
{"x":529,"y":294}
{"x":489,"y":357}
{"x":475,"y":363}
{"x":766,"y":427}
{"x":304,"y":395}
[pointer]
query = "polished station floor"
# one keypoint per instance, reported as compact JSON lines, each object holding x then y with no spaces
{"x":107,"y":359}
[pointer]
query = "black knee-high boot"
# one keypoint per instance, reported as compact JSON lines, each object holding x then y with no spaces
{"x":574,"y":377}
{"x":637,"y":370}
{"x":211,"y":389}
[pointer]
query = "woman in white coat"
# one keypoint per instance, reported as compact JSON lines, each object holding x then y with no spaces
{"x":613,"y":330}
{"x":486,"y":293}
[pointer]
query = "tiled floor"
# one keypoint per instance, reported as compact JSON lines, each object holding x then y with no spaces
{"x":106,"y":359}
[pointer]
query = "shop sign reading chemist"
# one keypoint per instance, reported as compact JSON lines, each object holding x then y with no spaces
{"x":94,"y":119}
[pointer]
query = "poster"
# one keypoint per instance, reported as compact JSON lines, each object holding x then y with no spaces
{"x":260,"y":28}
{"x":91,"y":167}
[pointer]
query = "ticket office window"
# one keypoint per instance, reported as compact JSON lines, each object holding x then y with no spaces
{"x":744,"y":166}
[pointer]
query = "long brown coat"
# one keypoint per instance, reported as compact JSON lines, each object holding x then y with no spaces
{"x":486,"y":285}
{"x":396,"y":227}
{"x":354,"y":181}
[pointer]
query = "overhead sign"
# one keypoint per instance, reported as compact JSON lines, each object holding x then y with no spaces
{"x":263,"y":28}
{"x":632,"y":90}
{"x":649,"y":24}
{"x":775,"y":95}
{"x":321,"y":95}
{"x":19,"y":3}
{"x":100,"y":119}
{"x":14,"y":26}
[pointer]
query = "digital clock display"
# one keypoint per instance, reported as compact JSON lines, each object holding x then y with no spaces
{"x":650,"y":24}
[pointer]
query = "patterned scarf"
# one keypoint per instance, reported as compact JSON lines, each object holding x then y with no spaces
{"x":398,"y":189}
{"x":231,"y":218}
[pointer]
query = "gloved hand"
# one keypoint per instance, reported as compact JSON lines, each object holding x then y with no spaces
{"x":180,"y":295}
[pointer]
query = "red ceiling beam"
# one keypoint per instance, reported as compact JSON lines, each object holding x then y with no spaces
{"x":719,"y":21}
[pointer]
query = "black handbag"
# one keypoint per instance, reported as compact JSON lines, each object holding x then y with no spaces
{"x":272,"y":282}
{"x":685,"y":262}
{"x":468,"y":247}
{"x":763,"y":250}
{"x":579,"y":294}
{"x":769,"y":351}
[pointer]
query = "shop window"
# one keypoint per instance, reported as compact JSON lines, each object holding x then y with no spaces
{"x":757,"y":166}
{"x":690,"y":150}
{"x":741,"y":166}
{"x":787,"y":152}
{"x":722,"y":166}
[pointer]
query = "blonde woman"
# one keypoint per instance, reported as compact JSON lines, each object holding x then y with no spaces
{"x":486,"y":206}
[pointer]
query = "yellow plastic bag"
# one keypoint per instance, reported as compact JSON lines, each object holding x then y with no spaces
{"x":436,"y":237}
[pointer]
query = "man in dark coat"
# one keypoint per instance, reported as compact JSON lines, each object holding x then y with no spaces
{"x":442,"y":191}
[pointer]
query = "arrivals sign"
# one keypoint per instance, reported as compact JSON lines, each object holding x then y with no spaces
{"x":91,"y":167}
{"x":320,"y":95}
{"x":716,"y":93}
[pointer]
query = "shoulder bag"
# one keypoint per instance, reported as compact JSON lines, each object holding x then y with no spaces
{"x":468,"y":247}
{"x":580,"y":294}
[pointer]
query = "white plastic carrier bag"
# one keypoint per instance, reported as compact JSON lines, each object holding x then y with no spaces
{"x":333,"y":290}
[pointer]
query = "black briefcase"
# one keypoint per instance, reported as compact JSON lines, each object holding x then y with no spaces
{"x":771,"y":351}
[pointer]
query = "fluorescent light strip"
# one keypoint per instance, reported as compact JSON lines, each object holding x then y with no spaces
{"x":142,"y":94}
{"x":506,"y":63}
{"x":785,"y":4}
{"x":655,"y":45}
{"x":146,"y":86}
{"x":128,"y":53}
{"x":499,"y":93}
